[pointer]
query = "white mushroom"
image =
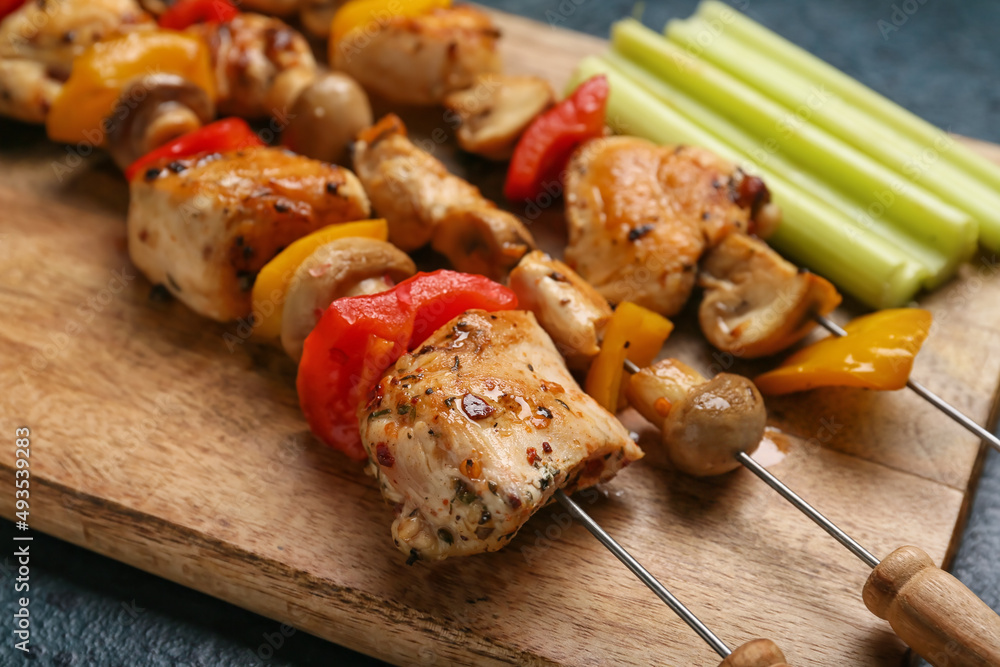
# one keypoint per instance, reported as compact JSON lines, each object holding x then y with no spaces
{"x":153,"y":110}
{"x":756,"y":303}
{"x":496,"y":110}
{"x":571,"y":311}
{"x":345,"y":267}
{"x":326,"y":118}
{"x":703,"y":423}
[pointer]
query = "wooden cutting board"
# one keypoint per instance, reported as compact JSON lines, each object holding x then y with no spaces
{"x":176,"y":445}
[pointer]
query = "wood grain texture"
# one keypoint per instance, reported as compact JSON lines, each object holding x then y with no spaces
{"x":176,"y":445}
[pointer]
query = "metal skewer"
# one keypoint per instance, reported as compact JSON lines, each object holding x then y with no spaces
{"x":795,"y":499}
{"x":927,"y":394}
{"x":932,"y":611}
{"x":643,"y":574}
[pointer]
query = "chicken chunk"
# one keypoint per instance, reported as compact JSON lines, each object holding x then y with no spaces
{"x":203,"y":227}
{"x":757,"y":303}
{"x":39,"y":40}
{"x":567,"y":307}
{"x":261,"y":64}
{"x":473,"y":433}
{"x":496,"y":110}
{"x":424,"y":203}
{"x":640,"y":216}
{"x":420,"y":59}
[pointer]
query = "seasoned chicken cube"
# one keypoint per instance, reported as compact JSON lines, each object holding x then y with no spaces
{"x":424,"y":203}
{"x":204,"y":226}
{"x":756,"y":302}
{"x":640,"y":216}
{"x":420,"y":59}
{"x":473,"y":433}
{"x":261,"y":64}
{"x":39,"y":40}
{"x":568,"y":308}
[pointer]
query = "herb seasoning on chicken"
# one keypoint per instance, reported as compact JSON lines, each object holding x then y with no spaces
{"x":467,"y":464}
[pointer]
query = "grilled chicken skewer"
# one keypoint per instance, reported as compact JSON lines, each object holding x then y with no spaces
{"x":708,"y":429}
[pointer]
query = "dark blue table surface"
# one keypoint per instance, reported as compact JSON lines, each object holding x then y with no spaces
{"x":941,"y":63}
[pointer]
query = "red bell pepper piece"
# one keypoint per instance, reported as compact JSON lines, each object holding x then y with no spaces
{"x":222,"y":135}
{"x":186,"y":13}
{"x":359,"y":337}
{"x":9,"y":6}
{"x":545,"y":147}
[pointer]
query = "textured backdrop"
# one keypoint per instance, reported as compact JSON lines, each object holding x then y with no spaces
{"x":941,"y":63}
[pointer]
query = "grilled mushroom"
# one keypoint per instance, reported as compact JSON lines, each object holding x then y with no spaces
{"x":496,"y":110}
{"x":345,"y":267}
{"x":756,"y":303}
{"x":153,"y":110}
{"x":704,"y":424}
{"x":326,"y":117}
{"x":317,"y":16}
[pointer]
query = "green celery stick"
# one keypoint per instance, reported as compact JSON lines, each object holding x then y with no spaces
{"x":815,"y":103}
{"x":852,"y":91}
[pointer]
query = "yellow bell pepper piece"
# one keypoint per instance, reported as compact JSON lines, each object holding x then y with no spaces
{"x":271,"y":285}
{"x":632,"y":333}
{"x":376,"y":14}
{"x":877,"y":353}
{"x":101,"y":73}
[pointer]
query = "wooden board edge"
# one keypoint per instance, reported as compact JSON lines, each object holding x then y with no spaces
{"x":135,"y":538}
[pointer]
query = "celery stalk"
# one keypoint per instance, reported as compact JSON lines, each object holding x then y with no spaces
{"x":851,"y":91}
{"x":814,"y":103}
{"x":812,"y":233}
{"x":940,"y":268}
{"x":921,"y":214}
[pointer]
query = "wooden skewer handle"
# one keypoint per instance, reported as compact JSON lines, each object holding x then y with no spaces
{"x":756,"y":653}
{"x":932,"y":611}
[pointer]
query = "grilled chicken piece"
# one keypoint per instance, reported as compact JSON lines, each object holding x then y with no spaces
{"x":473,"y":433}
{"x":756,"y":303}
{"x":39,"y":40}
{"x":704,"y":424}
{"x":261,"y":64}
{"x":640,"y":216}
{"x":420,"y":59}
{"x":423,"y":203}
{"x":568,"y":308}
{"x":203,"y":227}
{"x":496,"y":110}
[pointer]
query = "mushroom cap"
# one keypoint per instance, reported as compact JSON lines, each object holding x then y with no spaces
{"x":327,"y":116}
{"x":712,"y":423}
{"x":496,"y":110}
{"x":755,"y":302}
{"x":344,"y":267}
{"x":153,"y":110}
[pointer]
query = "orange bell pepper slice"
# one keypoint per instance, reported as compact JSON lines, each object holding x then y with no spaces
{"x":376,"y":14}
{"x":632,"y":333}
{"x":877,"y":353}
{"x":102,"y":72}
